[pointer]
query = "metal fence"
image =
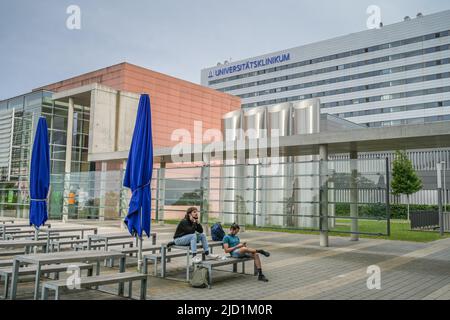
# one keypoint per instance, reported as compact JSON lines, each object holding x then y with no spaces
{"x":297,"y":194}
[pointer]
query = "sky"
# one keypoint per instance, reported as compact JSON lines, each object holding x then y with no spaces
{"x":176,"y":37}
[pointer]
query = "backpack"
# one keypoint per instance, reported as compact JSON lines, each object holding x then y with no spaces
{"x":200,"y":278}
{"x":217,"y":233}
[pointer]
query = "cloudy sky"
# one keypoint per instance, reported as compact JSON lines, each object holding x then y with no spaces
{"x":177,"y":37}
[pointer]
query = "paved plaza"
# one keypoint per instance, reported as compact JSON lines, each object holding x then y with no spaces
{"x":299,"y":268}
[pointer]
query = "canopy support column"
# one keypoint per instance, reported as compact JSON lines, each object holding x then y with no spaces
{"x":354,"y":195}
{"x":161,"y":193}
{"x":68,"y":164}
{"x":323,"y":153}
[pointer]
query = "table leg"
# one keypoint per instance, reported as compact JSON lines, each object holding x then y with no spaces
{"x":5,"y":291}
{"x":121,"y":269}
{"x":37,"y":281}
{"x":106,"y":249}
{"x":187,"y":265}
{"x":163,"y":261}
{"x":97,"y":271}
{"x":209,"y":276}
{"x":130,"y":289}
{"x":145,"y":266}
{"x":14,"y":280}
{"x":48,"y":242}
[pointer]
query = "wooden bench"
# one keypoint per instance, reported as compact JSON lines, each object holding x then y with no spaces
{"x":55,"y":268}
{"x":123,"y":243}
{"x":187,"y":249}
{"x":9,"y":253}
{"x":57,"y":237}
{"x":158,"y":256}
{"x":210,"y":264}
{"x":135,"y":250}
{"x":101,"y":244}
{"x":54,"y":236}
{"x":57,"y":243}
{"x":95,"y":281}
{"x":6,"y":263}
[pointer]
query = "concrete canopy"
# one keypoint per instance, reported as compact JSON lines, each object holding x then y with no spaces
{"x":428,"y":135}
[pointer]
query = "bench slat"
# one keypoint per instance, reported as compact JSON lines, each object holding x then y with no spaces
{"x":99,"y":280}
{"x":46,"y":268}
{"x":102,"y":244}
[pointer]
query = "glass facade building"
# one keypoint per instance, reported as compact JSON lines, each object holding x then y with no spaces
{"x":18,"y":120}
{"x":397,"y":74}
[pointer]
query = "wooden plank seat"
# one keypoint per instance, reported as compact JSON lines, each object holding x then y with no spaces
{"x":10,"y":253}
{"x":57,"y":243}
{"x":210,"y":264}
{"x":96,"y":281}
{"x":7,"y":272}
{"x":134,"y":250}
{"x":156,"y":257}
{"x":99,"y":245}
{"x":54,"y":236}
{"x":6,"y":263}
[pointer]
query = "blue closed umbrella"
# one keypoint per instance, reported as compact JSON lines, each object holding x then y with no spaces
{"x":138,"y":174}
{"x":39,"y":176}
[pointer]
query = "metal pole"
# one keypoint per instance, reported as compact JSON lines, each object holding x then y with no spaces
{"x":439,"y":190}
{"x":161,"y":192}
{"x":140,"y":254}
{"x":444,"y":186}
{"x":11,"y":144}
{"x":323,"y":169}
{"x":441,"y":216}
{"x":354,"y":236}
{"x":157,"y":195}
{"x":388,"y":203}
{"x":254,"y":194}
{"x":36,"y":238}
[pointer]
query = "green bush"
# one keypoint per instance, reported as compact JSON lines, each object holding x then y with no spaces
{"x":378,"y":210}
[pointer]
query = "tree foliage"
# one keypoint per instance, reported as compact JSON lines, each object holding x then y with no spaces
{"x":404,"y":178}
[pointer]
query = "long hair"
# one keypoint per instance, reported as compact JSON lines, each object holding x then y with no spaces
{"x":189,"y":211}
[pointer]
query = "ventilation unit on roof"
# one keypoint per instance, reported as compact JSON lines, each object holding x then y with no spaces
{"x":407,"y":18}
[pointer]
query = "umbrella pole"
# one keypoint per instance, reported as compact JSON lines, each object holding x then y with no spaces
{"x":36,"y":238}
{"x":139,"y":253}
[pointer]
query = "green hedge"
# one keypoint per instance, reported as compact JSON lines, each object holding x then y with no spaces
{"x":398,"y":211}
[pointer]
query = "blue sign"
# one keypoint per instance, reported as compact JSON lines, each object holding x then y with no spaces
{"x":249,"y":65}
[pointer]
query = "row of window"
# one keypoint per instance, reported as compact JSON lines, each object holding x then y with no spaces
{"x":336,"y":56}
{"x":347,"y":78}
{"x":346,"y":66}
{"x":408,"y":121}
{"x":393,"y":96}
{"x":418,"y":106}
{"x":379,"y":85}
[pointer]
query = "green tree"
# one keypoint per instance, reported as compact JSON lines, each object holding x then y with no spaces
{"x":404,"y":177}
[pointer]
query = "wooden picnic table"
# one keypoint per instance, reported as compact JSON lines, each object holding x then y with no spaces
{"x":114,"y":236}
{"x":7,"y":220}
{"x":23,"y":244}
{"x":5,"y":227}
{"x":211,"y":245}
{"x":81,"y":229}
{"x":42,"y":259}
